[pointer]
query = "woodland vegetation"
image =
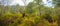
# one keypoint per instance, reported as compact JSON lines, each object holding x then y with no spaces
{"x":34,"y":14}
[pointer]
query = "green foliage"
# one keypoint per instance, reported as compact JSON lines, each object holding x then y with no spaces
{"x":56,"y":3}
{"x":34,"y":15}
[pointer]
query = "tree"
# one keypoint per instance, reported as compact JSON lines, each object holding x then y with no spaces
{"x":25,"y":2}
{"x":29,"y":8}
{"x":56,"y":2}
{"x":38,"y":2}
{"x":57,"y":6}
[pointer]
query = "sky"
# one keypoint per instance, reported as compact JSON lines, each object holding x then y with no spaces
{"x":20,"y":2}
{"x":48,"y":3}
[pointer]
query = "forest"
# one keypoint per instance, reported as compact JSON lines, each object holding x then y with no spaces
{"x":33,"y":14}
